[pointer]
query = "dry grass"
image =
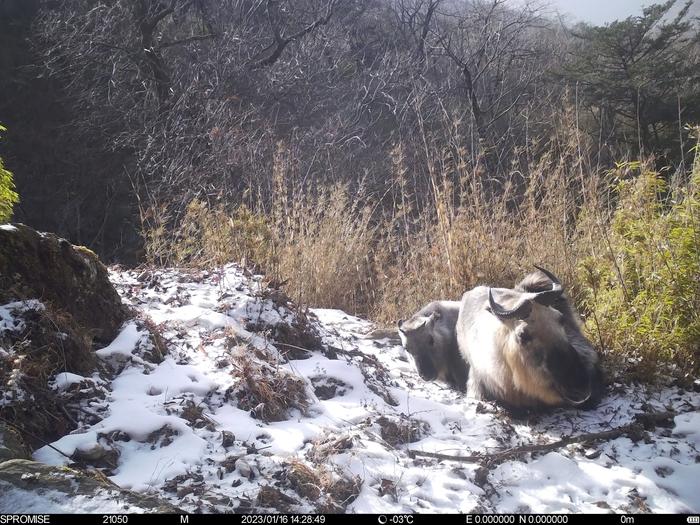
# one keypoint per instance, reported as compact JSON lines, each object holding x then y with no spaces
{"x":270,"y":497}
{"x":397,"y":431}
{"x":51,"y":342}
{"x":268,"y":392}
{"x":156,"y":337}
{"x":330,"y":491}
{"x":384,"y":254}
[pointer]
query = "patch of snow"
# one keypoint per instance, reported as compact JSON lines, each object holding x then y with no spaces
{"x":15,"y":500}
{"x":123,"y":345}
{"x":68,"y":444}
{"x":688,"y":427}
{"x":8,"y":228}
{"x":64,"y":380}
{"x":556,"y":483}
{"x":10,"y":320}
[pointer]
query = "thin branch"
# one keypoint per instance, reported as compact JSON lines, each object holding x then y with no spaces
{"x":46,"y":443}
{"x":641,"y":422}
{"x":188,"y":40}
{"x":282,"y":42}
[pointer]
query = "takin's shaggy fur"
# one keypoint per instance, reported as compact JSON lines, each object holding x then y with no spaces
{"x":525,"y":348}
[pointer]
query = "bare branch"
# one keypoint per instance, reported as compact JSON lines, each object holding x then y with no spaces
{"x":184,"y":41}
{"x":635,"y":429}
{"x":281,"y":41}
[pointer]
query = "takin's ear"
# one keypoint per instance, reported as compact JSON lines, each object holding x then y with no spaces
{"x":435,"y":316}
{"x":413,"y":324}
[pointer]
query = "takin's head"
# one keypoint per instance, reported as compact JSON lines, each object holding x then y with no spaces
{"x":431,"y":339}
{"x":422,"y":340}
{"x":430,"y":336}
{"x":544,"y":364}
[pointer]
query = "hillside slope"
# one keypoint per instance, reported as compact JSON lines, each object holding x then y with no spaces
{"x":220,"y":397}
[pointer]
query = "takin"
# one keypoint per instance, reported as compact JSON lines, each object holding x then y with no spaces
{"x":430,"y":337}
{"x":525,"y":348}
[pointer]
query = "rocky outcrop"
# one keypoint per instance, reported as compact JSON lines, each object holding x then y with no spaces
{"x":56,"y":305}
{"x":61,"y":489}
{"x":43,"y":266}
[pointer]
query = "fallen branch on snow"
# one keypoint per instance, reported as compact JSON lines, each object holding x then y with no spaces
{"x":634,"y":430}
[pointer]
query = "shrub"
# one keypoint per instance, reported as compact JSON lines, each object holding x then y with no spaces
{"x":206,"y":235}
{"x":643,"y":292}
{"x":8,"y":196}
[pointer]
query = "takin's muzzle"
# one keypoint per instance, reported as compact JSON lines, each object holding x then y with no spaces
{"x":568,"y":375}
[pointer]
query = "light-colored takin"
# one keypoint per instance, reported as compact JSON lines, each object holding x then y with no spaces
{"x":429,"y":336}
{"x":525,"y":348}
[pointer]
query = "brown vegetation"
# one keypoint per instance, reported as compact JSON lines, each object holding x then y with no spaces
{"x":331,"y":492}
{"x":562,"y":213}
{"x":267,"y":391}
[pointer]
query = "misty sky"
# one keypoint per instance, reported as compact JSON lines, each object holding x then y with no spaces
{"x":602,"y":11}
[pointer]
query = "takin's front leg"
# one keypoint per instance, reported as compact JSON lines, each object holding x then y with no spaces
{"x":475,"y":388}
{"x":458,"y":373}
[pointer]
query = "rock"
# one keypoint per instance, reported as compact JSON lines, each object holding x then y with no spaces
{"x":73,"y":307}
{"x":43,"y":266}
{"x":11,"y":444}
{"x":244,"y":469}
{"x":98,"y":456}
{"x":326,"y":387}
{"x":53,"y":489}
{"x":593,"y":454}
{"x":48,"y":341}
{"x":227,"y":438}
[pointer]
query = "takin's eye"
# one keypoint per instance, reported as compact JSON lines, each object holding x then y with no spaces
{"x":524,"y":336}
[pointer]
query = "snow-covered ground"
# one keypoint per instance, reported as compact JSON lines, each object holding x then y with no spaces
{"x":188,"y":429}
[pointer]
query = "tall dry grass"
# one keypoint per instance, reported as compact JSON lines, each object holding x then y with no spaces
{"x":385,"y":254}
{"x":478,"y":231}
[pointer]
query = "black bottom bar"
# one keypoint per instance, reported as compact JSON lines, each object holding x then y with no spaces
{"x":332,"y":519}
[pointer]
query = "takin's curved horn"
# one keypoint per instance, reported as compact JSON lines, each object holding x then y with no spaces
{"x":549,"y":297}
{"x":579,"y":402}
{"x":556,"y":283}
{"x":582,"y":397}
{"x":521,"y":310}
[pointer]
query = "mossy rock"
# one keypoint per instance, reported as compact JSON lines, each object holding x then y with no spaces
{"x":79,"y":309}
{"x":53,"y":487}
{"x":44,"y":266}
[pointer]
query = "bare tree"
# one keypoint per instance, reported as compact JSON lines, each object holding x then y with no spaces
{"x":280,"y":27}
{"x":490,"y":43}
{"x":196,"y":98}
